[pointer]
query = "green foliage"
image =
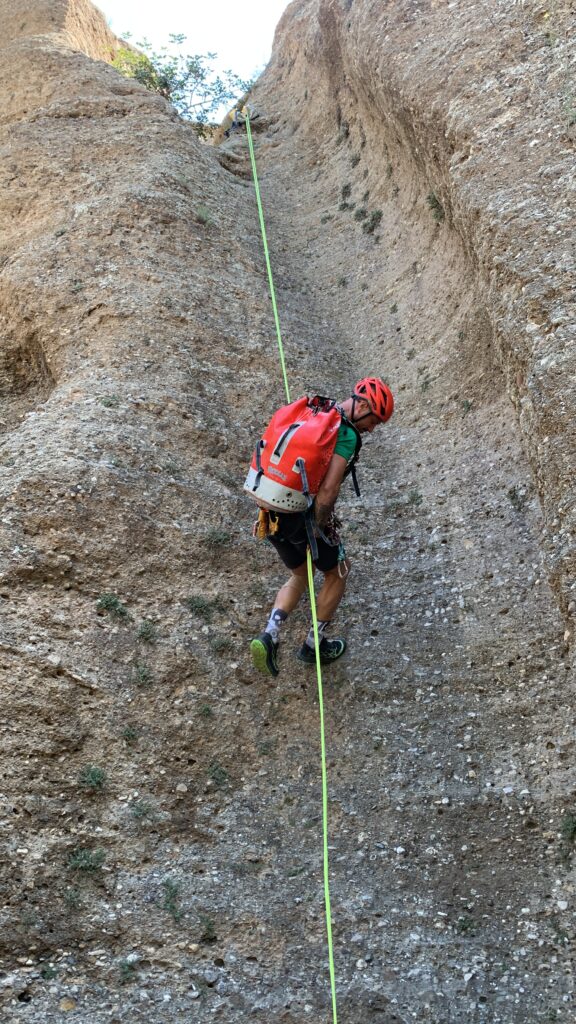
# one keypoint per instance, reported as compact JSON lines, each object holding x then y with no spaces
{"x":355,"y":159}
{"x":93,"y":778}
{"x":342,"y":282}
{"x":436,"y":207}
{"x":414,"y":498}
{"x":221,"y":643}
{"x":141,"y":809}
{"x":86,"y":860}
{"x":203,"y":216}
{"x":142,"y":675}
{"x":110,"y":401}
{"x":147,"y":632}
{"x":132,"y":64}
{"x":130,"y":734}
{"x":369,"y":226}
{"x":361,"y":213}
{"x":218,"y":774}
{"x":171,"y":895}
{"x":218,"y":538}
{"x":518,"y":498}
{"x":204,"y":607}
{"x":188,"y":81}
{"x":72,"y":899}
{"x":568,"y":828}
{"x":208,"y":935}
{"x":466,"y":925}
{"x":128,"y":973}
{"x":346,"y":190}
{"x":112,"y":604}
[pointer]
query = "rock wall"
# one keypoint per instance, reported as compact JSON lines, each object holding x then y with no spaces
{"x":475,"y":106}
{"x":160,"y":842}
{"x":128,"y":293}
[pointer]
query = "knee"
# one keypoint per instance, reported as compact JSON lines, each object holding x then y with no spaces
{"x":339,"y":574}
{"x":298,"y":580}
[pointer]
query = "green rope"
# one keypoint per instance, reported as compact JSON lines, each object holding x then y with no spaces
{"x":267,"y":256}
{"x":324,"y":789}
{"x":314,"y":614}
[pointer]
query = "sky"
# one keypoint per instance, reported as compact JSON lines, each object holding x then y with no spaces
{"x":240,"y":34}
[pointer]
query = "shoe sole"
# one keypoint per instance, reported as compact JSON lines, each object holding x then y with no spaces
{"x":259,"y":654}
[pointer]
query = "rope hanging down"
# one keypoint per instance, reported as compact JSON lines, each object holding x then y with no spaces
{"x":266,"y":253}
{"x":312,"y":598}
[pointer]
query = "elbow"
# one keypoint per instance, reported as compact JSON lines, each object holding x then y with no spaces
{"x":327,"y":496}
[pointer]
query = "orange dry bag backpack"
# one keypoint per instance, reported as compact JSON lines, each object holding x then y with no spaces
{"x":291,"y":459}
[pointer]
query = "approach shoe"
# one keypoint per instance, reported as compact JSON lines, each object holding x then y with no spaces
{"x":265,"y":654}
{"x":330,"y":650}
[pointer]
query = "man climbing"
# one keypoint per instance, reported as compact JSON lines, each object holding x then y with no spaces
{"x":370,"y":404}
{"x":236,"y":117}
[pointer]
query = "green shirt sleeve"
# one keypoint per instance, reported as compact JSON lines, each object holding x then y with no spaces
{"x":345,"y":442}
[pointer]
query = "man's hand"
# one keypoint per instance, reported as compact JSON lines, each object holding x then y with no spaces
{"x":329,"y":489}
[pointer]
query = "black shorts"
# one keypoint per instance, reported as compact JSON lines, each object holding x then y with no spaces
{"x":291,"y":542}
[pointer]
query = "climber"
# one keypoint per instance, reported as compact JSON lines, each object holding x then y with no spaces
{"x":236,"y":117}
{"x":370,"y":404}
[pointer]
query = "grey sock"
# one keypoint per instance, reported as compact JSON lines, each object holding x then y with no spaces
{"x":274,"y":622}
{"x":321,"y":630}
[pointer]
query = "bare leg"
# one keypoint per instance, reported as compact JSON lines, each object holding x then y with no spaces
{"x":264,"y":648}
{"x":331,"y":592}
{"x":289,"y":595}
{"x":328,"y":599}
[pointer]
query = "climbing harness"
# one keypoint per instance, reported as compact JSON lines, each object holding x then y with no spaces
{"x":312,"y":600}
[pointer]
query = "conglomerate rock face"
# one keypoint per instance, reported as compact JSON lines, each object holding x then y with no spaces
{"x":475,"y":104}
{"x":160,"y":807}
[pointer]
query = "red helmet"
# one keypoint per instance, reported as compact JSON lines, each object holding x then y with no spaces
{"x":378,"y":395}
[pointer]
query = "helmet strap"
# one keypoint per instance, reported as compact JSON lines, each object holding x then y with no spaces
{"x":359,"y":398}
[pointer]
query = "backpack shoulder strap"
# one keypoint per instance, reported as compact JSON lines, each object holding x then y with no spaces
{"x":351,"y":469}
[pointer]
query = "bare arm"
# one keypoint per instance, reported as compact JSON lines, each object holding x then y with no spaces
{"x":329,"y":489}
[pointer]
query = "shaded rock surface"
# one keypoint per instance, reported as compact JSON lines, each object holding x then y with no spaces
{"x":160,"y":807}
